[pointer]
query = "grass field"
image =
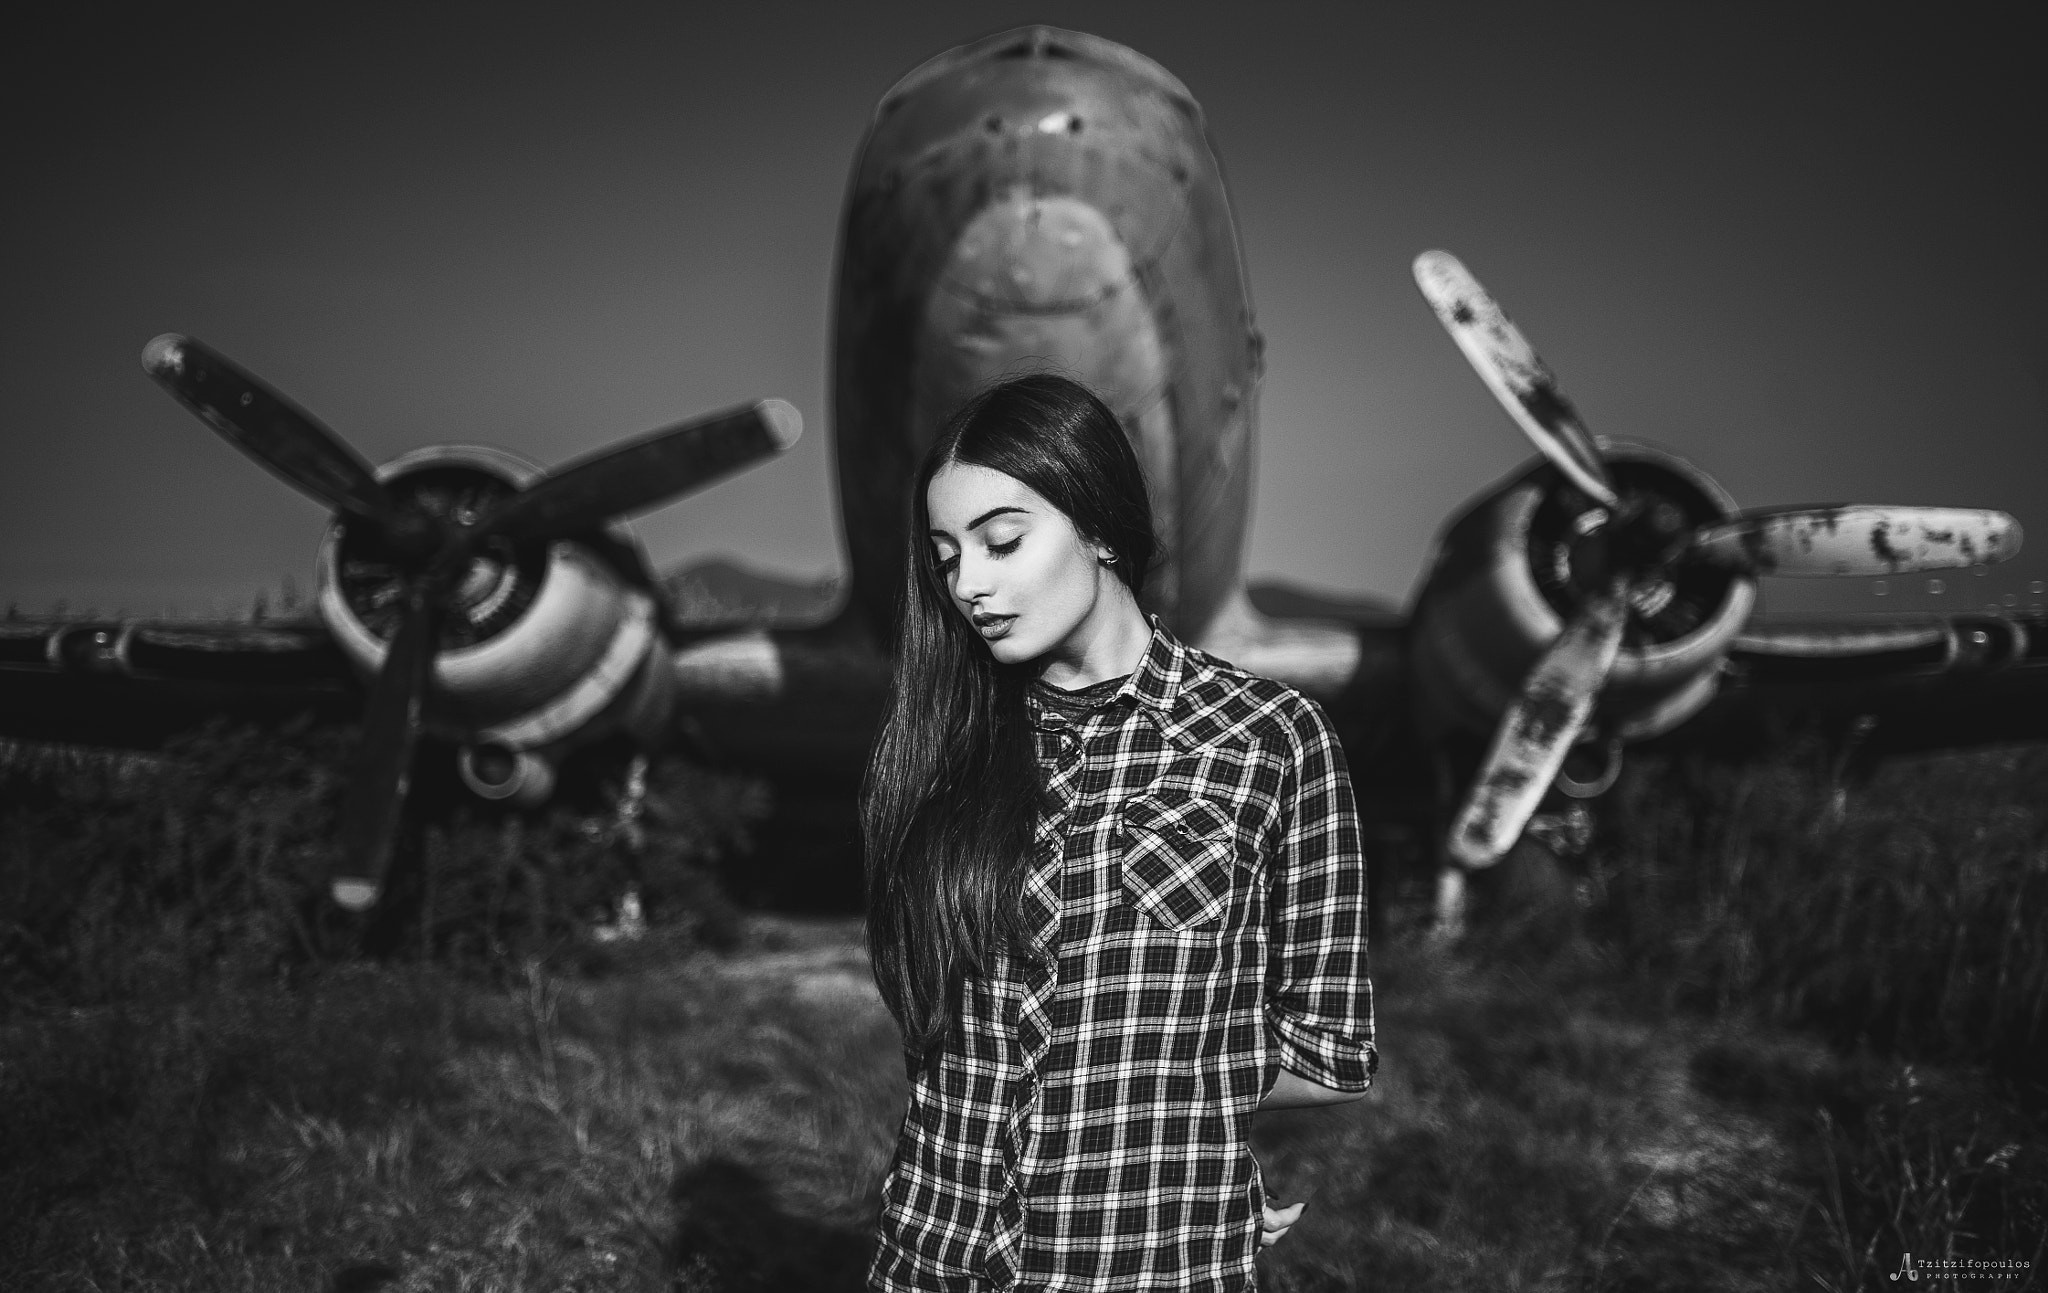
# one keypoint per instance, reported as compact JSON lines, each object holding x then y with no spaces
{"x":1780,"y":1034}
{"x":695,"y":1120}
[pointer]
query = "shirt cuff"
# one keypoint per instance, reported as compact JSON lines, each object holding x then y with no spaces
{"x":1332,"y":1059}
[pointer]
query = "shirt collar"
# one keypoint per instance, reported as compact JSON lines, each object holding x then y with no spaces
{"x":1155,"y":683}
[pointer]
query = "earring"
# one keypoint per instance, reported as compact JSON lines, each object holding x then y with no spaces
{"x":1108,"y":558}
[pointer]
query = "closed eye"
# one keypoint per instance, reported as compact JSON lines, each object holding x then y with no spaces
{"x":1005,"y":549}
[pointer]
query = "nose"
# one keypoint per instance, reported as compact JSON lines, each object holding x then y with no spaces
{"x":973,"y":577}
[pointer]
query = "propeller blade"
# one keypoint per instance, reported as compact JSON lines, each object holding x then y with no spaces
{"x":1513,"y":371}
{"x":383,"y":770}
{"x":637,"y":475}
{"x":1856,"y":540}
{"x":1538,"y":730}
{"x":271,"y":429}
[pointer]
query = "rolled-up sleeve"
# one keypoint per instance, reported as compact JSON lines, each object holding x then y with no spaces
{"x":1319,"y":995}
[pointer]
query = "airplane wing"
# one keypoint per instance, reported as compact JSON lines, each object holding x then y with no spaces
{"x":767,"y":678}
{"x":1893,"y":685}
{"x":1349,"y":652}
{"x":134,"y":683}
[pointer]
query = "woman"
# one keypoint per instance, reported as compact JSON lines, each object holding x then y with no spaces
{"x":1116,"y":900}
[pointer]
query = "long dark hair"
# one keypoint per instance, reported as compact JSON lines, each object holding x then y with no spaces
{"x":952,"y":787}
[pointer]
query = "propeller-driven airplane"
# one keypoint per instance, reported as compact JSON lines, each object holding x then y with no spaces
{"x":1044,"y":198}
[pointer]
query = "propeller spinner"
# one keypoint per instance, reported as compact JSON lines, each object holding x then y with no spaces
{"x":1632,"y":545}
{"x":433,"y":550}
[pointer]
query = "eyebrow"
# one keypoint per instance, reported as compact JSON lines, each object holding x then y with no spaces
{"x":979,"y":521}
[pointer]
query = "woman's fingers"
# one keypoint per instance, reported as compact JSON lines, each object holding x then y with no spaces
{"x":1276,"y":1222}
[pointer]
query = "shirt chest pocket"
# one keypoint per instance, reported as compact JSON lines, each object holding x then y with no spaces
{"x":1180,"y":859}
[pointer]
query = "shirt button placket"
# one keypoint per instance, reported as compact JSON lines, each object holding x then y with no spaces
{"x":1004,"y":1253}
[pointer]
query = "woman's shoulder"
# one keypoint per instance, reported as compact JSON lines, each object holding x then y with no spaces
{"x":1229,"y":704}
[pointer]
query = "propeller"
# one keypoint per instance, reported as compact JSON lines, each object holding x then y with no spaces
{"x":1538,"y":730}
{"x":636,"y":475}
{"x":1512,"y":370}
{"x":1863,"y":540}
{"x":576,"y":498}
{"x":278,"y":434}
{"x":383,"y":771}
{"x":1635,"y":543}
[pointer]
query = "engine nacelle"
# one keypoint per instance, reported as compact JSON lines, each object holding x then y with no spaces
{"x":1502,"y":587}
{"x":542,"y":643}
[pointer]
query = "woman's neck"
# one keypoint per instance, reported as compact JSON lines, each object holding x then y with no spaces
{"x":1108,"y":644}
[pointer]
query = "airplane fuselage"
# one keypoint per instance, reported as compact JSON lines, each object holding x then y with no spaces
{"x":1044,"y":199}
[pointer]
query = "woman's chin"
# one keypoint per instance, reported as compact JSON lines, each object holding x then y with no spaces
{"x":1007,"y":652}
{"x":1009,"y":649}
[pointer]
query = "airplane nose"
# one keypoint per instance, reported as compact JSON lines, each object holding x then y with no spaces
{"x":1044,"y":281}
{"x":1038,"y":254}
{"x":1036,"y":282}
{"x":1043,"y":200}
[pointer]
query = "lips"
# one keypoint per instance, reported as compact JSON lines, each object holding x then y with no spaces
{"x":991,"y":627}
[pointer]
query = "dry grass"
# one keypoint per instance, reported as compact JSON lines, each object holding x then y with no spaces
{"x":685,"y":1119}
{"x":1907,"y":915}
{"x":123,"y":877}
{"x":700,"y":1121}
{"x":1547,"y":1125}
{"x":1803,"y":1042}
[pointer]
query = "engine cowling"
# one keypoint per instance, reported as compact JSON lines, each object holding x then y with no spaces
{"x":547,"y":643}
{"x":1505,"y":580}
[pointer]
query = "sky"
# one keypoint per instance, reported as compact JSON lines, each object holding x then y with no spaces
{"x":1800,"y":245}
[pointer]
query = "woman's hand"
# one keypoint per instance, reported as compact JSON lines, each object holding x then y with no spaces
{"x":1276,"y":1222}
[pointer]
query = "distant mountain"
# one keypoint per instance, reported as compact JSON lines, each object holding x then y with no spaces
{"x":721,"y":592}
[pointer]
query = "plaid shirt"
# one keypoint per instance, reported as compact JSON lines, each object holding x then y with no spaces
{"x":1198,"y":908}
